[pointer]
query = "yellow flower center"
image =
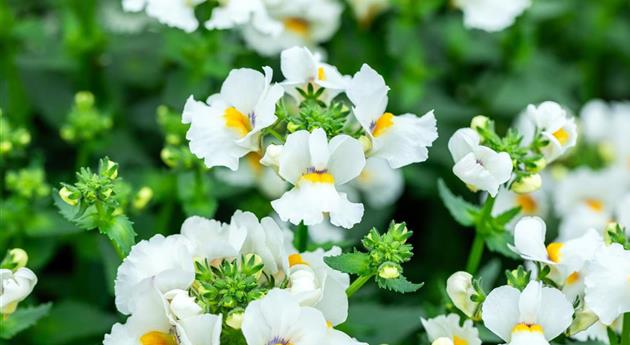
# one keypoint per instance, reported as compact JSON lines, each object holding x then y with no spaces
{"x":527,"y":203}
{"x":237,"y":121}
{"x":382,"y":124}
{"x":329,"y":324}
{"x":553,"y":250}
{"x":595,"y":204}
{"x":524,"y":327}
{"x":321,"y":74}
{"x":459,"y":341}
{"x":561,"y":135}
{"x":319,"y":177}
{"x":157,"y":338}
{"x":297,"y":25}
{"x":572,"y":278}
{"x":296,"y":259}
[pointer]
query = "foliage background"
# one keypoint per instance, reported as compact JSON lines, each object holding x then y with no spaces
{"x":569,"y":51}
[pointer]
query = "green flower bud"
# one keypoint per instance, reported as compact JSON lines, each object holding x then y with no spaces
{"x":69,"y":197}
{"x":518,"y":278}
{"x":67,"y":133}
{"x":173,"y":139}
{"x":539,"y":165}
{"x":169,"y":156}
{"x":109,"y":169}
{"x":614,"y":233}
{"x":292,"y":127}
{"x":23,"y":137}
{"x":479,"y":121}
{"x":5,"y":146}
{"x":527,"y":184}
{"x":106,"y":193}
{"x":389,"y":270}
{"x":606,"y":150}
{"x":84,"y":99}
{"x":18,"y":258}
{"x":142,"y":198}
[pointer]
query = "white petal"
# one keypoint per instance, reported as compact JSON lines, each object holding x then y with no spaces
{"x":346,"y":158}
{"x":318,"y":149}
{"x":530,"y":303}
{"x":209,"y":237}
{"x":295,"y":158}
{"x":202,"y":329}
{"x":242,"y":88}
{"x":463,"y":142}
{"x":178,"y":14}
{"x":556,"y":312}
{"x":500,"y":311}
{"x":529,"y":239}
{"x":298,"y":65}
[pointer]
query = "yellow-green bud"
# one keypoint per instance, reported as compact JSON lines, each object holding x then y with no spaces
{"x":23,"y":137}
{"x":107,"y":193}
{"x":18,"y":257}
{"x":527,"y":184}
{"x":168,"y":157}
{"x":172,"y":139}
{"x":68,"y":196}
{"x":292,"y":127}
{"x":84,"y":99}
{"x":5,"y":146}
{"x":142,"y":198}
{"x":479,"y":121}
{"x":366,"y":142}
{"x":111,"y":170}
{"x":67,"y":133}
{"x":389,"y":270}
{"x":235,"y":319}
{"x":539,"y":165}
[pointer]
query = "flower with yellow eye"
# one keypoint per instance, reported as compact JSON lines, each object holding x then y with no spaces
{"x":552,"y":122}
{"x":14,"y":288}
{"x":400,"y":140}
{"x":304,"y":23}
{"x":448,"y":330}
{"x":568,"y":260}
{"x":315,"y":166}
{"x":301,"y":67}
{"x":534,"y":316}
{"x":228,"y":127}
{"x":175,"y":13}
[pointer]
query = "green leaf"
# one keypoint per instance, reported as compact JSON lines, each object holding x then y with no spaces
{"x":400,"y":284}
{"x":460,"y":209}
{"x":354,"y":263}
{"x":22,"y":319}
{"x":87,"y":220}
{"x":120,"y":230}
{"x":508,"y":215}
{"x":498,"y":243}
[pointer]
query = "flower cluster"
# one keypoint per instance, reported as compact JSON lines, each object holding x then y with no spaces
{"x":16,"y":281}
{"x":313,"y":140}
{"x":84,"y":122}
{"x":266,"y":26}
{"x":240,"y":282}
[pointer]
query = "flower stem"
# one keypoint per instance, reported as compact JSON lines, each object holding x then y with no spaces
{"x":301,"y":237}
{"x":625,"y":331}
{"x":357,"y":284}
{"x":474,"y":258}
{"x":275,"y":134}
{"x":612,"y":336}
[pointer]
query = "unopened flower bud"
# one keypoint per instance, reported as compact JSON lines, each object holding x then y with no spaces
{"x":67,"y":133}
{"x":366,"y":142}
{"x":479,"y":121}
{"x":460,"y":289}
{"x":292,"y":127}
{"x":84,"y":99}
{"x":442,"y":341}
{"x":527,"y":184}
{"x":110,"y":170}
{"x":23,"y":137}
{"x":389,"y":270}
{"x":235,"y":318}
{"x":169,"y":157}
{"x":539,"y":165}
{"x":614,"y":233}
{"x":142,"y":198}
{"x":173,"y":139}
{"x":69,"y":197}
{"x":18,"y":257}
{"x":272,"y":156}
{"x":107,"y":193}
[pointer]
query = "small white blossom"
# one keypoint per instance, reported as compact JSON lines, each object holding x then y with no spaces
{"x":15,"y":287}
{"x":491,"y":15}
{"x":175,"y":13}
{"x":460,"y":289}
{"x":554,"y":124}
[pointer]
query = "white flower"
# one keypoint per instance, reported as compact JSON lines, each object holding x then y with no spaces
{"x":166,"y":261}
{"x":478,"y":166}
{"x":606,"y":125}
{"x":300,"y":67}
{"x":315,"y":166}
{"x":531,"y":204}
{"x":315,"y":284}
{"x":402,"y":139}
{"x":555,"y":126}
{"x":278,"y":318}
{"x":607,"y":283}
{"x":491,"y":15}
{"x":228,"y":127}
{"x":304,"y":23}
{"x":568,"y":259}
{"x":460,"y":289}
{"x":380,"y":185}
{"x":251,"y":173}
{"x":447,"y":326}
{"x":367,"y":10}
{"x":15,"y":287}
{"x":232,"y":13}
{"x":535,"y":316}
{"x":175,"y":13}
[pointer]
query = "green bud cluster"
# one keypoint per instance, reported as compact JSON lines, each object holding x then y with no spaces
{"x":90,"y":187}
{"x":231,"y":284}
{"x":175,"y":153}
{"x":390,"y":249}
{"x":84,"y":122}
{"x":12,"y":140}
{"x":615,"y":233}
{"x":28,"y":183}
{"x":518,"y":278}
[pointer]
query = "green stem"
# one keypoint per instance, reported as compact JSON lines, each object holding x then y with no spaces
{"x":612,"y":336}
{"x":301,"y":237}
{"x":474,"y":258}
{"x":275,"y":134}
{"x":625,"y":331}
{"x":357,"y":284}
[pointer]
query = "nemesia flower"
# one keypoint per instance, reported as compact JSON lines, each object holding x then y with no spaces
{"x":478,"y":166}
{"x":228,"y":126}
{"x":278,"y":318}
{"x":315,"y":167}
{"x":175,"y":13}
{"x":304,"y":23}
{"x":301,"y":67}
{"x":402,"y":139}
{"x":491,"y":15}
{"x":165,"y":261}
{"x":607,"y":282}
{"x":567,"y":259}
{"x":534,"y":316}
{"x":447,"y":326}
{"x":15,"y":287}
{"x":460,"y":289}
{"x":313,"y":283}
{"x":555,"y":126}
{"x":232,"y":13}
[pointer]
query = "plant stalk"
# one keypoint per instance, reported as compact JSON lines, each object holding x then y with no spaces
{"x":357,"y":284}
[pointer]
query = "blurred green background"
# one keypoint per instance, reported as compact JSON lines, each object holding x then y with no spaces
{"x":569,"y":51}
